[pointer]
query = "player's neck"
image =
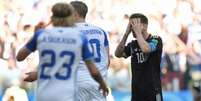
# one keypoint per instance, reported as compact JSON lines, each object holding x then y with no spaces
{"x":145,"y":35}
{"x":80,"y":20}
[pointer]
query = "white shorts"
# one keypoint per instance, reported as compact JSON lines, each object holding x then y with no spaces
{"x":89,"y":92}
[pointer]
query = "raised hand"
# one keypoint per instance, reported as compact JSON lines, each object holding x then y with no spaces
{"x":136,"y":26}
{"x":31,"y":77}
{"x":103,"y":88}
{"x":128,"y":29}
{"x":41,"y":25}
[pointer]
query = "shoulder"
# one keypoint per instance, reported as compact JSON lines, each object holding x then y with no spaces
{"x":132,"y":43}
{"x":103,"y":31}
{"x":83,"y":36}
{"x":156,"y":38}
{"x":98,"y":28}
{"x":39,"y":31}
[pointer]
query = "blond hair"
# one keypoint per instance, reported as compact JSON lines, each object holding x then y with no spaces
{"x":63,"y":15}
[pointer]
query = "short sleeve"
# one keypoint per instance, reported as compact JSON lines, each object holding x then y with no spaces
{"x":127,"y":50}
{"x":86,"y":49}
{"x":106,"y":42}
{"x":32,"y":44}
{"x":155,"y":44}
{"x":160,"y":44}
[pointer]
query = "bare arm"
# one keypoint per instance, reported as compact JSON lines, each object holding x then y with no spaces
{"x":31,"y":76}
{"x":108,"y":53}
{"x":96,"y":76}
{"x":137,"y":27}
{"x":120,"y":48}
{"x":144,"y":46}
{"x":22,"y":54}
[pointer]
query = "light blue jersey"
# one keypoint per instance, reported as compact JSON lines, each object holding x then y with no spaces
{"x":98,"y":40}
{"x":60,"y":51}
{"x":88,"y":89}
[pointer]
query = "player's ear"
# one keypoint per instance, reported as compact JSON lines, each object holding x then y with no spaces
{"x":76,"y":15}
{"x":145,"y":26}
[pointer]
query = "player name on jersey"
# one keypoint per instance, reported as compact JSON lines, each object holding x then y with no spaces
{"x":92,"y":31}
{"x":59,"y":40}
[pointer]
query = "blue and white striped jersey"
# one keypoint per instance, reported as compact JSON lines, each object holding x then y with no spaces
{"x":60,"y":51}
{"x":99,"y":42}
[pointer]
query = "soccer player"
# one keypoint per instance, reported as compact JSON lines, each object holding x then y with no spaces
{"x":87,"y":87}
{"x":61,"y":48}
{"x":145,"y":54}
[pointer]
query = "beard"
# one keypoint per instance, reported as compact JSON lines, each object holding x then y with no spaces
{"x":133,"y":33}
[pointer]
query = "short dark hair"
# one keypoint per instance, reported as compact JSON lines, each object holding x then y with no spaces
{"x":143,"y":18}
{"x":80,"y":7}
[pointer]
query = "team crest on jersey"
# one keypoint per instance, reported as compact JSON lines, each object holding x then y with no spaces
{"x":154,"y":41}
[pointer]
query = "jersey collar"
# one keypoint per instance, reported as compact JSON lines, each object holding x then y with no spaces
{"x":81,"y":24}
{"x":148,"y":37}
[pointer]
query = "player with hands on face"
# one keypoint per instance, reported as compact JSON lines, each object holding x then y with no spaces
{"x":145,"y":51}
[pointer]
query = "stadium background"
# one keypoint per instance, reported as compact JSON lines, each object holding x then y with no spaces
{"x":178,"y":22}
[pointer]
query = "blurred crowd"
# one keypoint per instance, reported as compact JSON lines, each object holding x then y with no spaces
{"x":178,"y":22}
